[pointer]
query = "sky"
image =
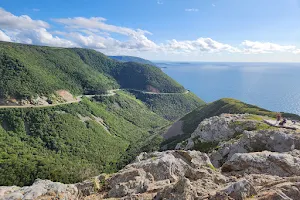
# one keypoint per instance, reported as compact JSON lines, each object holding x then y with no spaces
{"x":170,"y":30}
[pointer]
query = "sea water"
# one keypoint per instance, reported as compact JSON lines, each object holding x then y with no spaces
{"x":273,"y":86}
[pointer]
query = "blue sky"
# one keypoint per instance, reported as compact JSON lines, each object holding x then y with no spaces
{"x":183,"y":30}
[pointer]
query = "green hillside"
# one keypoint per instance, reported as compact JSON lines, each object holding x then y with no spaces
{"x":28,"y":70}
{"x":72,"y":142}
{"x":226,"y":105}
{"x":69,"y":143}
{"x":170,"y":106}
{"x":131,"y":59}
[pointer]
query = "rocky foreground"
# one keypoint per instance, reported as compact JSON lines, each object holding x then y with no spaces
{"x":245,"y":160}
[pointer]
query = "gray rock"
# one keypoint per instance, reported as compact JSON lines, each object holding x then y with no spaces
{"x":273,"y":163}
{"x":155,"y":171}
{"x":41,"y":189}
{"x":240,"y":190}
{"x":181,"y":190}
{"x":277,"y":140}
{"x":218,"y":129}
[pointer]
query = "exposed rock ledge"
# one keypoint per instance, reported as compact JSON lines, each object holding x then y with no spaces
{"x":182,"y":175}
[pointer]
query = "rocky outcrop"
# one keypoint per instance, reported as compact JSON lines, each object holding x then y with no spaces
{"x":41,"y":189}
{"x":277,"y":140}
{"x":48,"y":190}
{"x":180,"y":175}
{"x":285,"y":189}
{"x":218,"y":129}
{"x":238,"y":190}
{"x":272,"y":163}
{"x":164,"y":171}
{"x":223,"y":136}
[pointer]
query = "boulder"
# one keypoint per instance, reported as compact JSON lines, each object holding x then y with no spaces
{"x":159,"y":170}
{"x":240,"y":190}
{"x":277,"y":140}
{"x":272,"y":163}
{"x":181,"y":190}
{"x":219,"y":129}
{"x":41,"y":189}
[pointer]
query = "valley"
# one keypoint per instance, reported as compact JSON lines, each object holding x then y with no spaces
{"x":80,"y":125}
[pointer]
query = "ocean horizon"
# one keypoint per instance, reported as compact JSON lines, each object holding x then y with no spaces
{"x":273,"y":86}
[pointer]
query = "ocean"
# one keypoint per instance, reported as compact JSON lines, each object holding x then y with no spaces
{"x":273,"y":86}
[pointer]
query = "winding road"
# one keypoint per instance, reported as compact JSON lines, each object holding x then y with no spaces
{"x":79,"y":98}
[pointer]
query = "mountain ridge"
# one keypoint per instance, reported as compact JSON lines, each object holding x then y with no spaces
{"x":132,"y":59}
{"x":46,"y":69}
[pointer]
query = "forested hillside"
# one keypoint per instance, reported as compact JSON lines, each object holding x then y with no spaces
{"x":72,"y":142}
{"x":131,"y":59}
{"x":28,"y":70}
{"x":170,"y":106}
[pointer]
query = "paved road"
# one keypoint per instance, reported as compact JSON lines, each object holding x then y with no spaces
{"x":159,"y":93}
{"x":79,"y":98}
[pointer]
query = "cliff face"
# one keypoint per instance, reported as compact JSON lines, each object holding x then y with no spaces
{"x":246,"y":159}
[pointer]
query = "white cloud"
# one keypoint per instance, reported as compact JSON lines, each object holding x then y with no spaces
{"x":36,"y":9}
{"x":96,"y":33}
{"x":10,"y":21}
{"x":265,"y":47}
{"x":160,"y":2}
{"x":213,"y":5}
{"x":26,"y":30}
{"x":42,"y":36}
{"x":199,"y":45}
{"x":191,"y":9}
{"x":98,"y":23}
{"x":86,"y":32}
{"x":297,"y":51}
{"x":4,"y":37}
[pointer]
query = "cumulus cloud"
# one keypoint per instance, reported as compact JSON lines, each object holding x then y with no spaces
{"x":97,"y":33}
{"x":42,"y":36}
{"x":98,"y":23}
{"x":191,"y":9}
{"x":10,"y":21}
{"x":4,"y":37}
{"x":26,"y":30}
{"x":136,"y":38}
{"x":297,"y":51}
{"x":199,"y":45}
{"x":265,"y":47}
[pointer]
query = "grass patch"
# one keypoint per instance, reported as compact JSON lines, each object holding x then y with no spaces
{"x":211,"y":167}
{"x":255,"y":117}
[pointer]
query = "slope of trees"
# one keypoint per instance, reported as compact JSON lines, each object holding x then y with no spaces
{"x":32,"y":70}
{"x":131,"y":59}
{"x":170,"y":106}
{"x":72,"y":142}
